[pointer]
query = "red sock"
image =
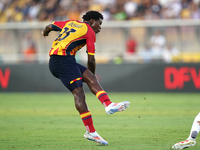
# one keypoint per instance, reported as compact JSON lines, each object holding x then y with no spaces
{"x":103,"y":97}
{"x":87,"y":120}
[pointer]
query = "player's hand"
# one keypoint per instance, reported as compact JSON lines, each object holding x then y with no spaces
{"x":45,"y":32}
{"x":44,"y":35}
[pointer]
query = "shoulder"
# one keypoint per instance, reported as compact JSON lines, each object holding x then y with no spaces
{"x":60,"y":24}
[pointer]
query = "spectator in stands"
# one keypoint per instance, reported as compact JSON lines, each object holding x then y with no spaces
{"x":169,"y":52}
{"x":84,"y":6}
{"x":29,"y":48}
{"x":131,"y":45}
{"x":49,"y":10}
{"x":157,"y":42}
{"x":106,"y":13}
{"x":107,"y":8}
{"x":119,"y":11}
{"x":156,"y":9}
{"x":130,"y":8}
{"x":73,"y":12}
{"x":195,"y":9}
{"x":142,"y":9}
{"x":30,"y":53}
{"x":146,"y":54}
{"x":33,"y":10}
{"x":172,"y":10}
{"x":17,"y":15}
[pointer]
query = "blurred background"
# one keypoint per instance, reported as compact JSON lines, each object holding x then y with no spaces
{"x":138,"y":33}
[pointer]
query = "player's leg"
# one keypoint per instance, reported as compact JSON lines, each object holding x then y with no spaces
{"x":191,"y":140}
{"x":79,"y":97}
{"x":81,"y":106}
{"x":96,"y":89}
{"x":69,"y":73}
{"x":94,"y":85}
{"x":195,"y":128}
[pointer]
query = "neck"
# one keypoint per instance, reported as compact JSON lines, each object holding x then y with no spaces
{"x":87,"y":22}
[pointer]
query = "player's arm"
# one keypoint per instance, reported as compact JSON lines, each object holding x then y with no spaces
{"x":91,"y":64}
{"x":55,"y":26}
{"x":47,"y":30}
{"x":90,"y":42}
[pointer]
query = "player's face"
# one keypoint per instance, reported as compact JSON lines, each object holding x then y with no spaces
{"x":96,"y":25}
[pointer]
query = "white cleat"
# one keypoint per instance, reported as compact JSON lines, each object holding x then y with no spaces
{"x":184,"y":144}
{"x":116,"y":107}
{"x":95,"y":137}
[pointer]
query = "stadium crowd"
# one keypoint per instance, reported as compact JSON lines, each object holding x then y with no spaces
{"x":48,"y":10}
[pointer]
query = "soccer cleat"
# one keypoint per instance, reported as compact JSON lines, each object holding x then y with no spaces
{"x":116,"y":107}
{"x":95,"y":137}
{"x":184,"y":144}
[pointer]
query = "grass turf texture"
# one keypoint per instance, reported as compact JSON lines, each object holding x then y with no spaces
{"x":49,"y":121}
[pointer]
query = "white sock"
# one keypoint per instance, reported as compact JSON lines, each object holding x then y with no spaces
{"x":195,"y":127}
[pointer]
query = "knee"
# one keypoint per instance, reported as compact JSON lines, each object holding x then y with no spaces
{"x":89,"y":77}
{"x":93,"y":78}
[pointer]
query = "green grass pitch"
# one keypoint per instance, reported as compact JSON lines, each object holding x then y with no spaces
{"x":49,"y":121}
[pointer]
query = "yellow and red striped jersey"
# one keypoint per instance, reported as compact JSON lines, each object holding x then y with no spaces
{"x":73,"y":36}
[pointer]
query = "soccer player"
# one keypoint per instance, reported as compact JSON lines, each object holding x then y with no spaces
{"x":191,"y":140}
{"x":62,"y":64}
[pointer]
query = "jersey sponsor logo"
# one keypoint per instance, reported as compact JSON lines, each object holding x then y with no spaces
{"x":72,"y":24}
{"x":4,"y":78}
{"x":175,"y":78}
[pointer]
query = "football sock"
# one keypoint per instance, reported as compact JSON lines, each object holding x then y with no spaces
{"x":103,"y":97}
{"x":87,"y":121}
{"x":195,"y":127}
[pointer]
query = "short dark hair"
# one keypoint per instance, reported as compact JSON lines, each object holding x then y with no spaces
{"x":92,"y":15}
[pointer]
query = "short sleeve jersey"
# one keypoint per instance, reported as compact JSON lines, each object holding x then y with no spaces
{"x":73,"y":36}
